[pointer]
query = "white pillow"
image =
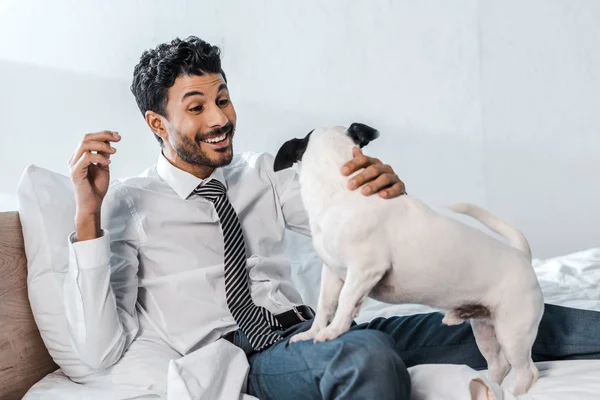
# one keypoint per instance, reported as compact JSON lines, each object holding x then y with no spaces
{"x":47,"y":210}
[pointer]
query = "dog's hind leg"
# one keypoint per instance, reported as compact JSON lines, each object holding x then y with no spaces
{"x":516,"y":331}
{"x":360,"y":280}
{"x":331,"y":285}
{"x":518,"y":353}
{"x":485,"y":336}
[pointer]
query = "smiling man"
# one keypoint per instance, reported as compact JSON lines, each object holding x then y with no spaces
{"x":191,"y":252}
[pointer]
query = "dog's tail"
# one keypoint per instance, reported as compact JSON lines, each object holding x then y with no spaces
{"x":514,"y":236}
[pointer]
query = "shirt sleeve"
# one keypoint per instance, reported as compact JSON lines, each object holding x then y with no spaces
{"x":100,"y":289}
{"x":287,"y":186}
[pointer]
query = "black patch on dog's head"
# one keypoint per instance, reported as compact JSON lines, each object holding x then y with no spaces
{"x":362,"y":134}
{"x":290,"y":153}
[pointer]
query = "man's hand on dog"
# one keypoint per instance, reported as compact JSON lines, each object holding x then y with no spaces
{"x":376,"y":177}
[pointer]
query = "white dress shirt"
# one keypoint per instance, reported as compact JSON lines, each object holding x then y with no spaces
{"x":161,"y":254}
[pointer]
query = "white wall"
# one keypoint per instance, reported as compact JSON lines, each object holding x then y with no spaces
{"x":541,"y":99}
{"x":484,"y":101}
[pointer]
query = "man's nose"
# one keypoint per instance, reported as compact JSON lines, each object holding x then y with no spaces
{"x":216,"y":118}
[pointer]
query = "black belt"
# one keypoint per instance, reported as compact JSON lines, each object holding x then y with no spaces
{"x":287,"y":319}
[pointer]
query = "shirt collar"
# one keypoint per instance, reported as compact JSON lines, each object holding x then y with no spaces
{"x":182,"y":182}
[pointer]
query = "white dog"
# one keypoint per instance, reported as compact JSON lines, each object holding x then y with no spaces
{"x":401,"y":251}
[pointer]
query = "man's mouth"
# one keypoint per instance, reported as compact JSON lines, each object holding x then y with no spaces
{"x":215,"y":139}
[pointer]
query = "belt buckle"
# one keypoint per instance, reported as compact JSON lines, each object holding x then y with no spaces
{"x":298,"y":314}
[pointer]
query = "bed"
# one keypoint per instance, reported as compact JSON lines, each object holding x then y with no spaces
{"x":571,"y":280}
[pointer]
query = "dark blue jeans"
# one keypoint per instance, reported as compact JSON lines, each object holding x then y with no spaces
{"x":370,"y":361}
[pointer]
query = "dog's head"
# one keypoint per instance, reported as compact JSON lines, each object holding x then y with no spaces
{"x":293,"y":150}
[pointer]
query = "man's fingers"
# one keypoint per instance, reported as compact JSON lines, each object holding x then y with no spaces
{"x":107,"y":155}
{"x":104,"y":147}
{"x":375,"y":178}
{"x":367,"y":175}
{"x":104,"y":136}
{"x":395,"y":190}
{"x":92,"y":158}
{"x":381,"y":182}
{"x":81,"y":167}
{"x":92,"y":146}
{"x":358,"y":162}
{"x":351,"y":165}
{"x":99,"y":141}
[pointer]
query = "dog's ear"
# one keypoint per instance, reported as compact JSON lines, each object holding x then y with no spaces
{"x":362,"y":134}
{"x":290,"y":153}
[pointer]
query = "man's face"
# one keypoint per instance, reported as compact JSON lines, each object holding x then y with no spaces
{"x":200,"y":120}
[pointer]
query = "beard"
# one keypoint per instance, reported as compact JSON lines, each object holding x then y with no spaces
{"x":190,"y":150}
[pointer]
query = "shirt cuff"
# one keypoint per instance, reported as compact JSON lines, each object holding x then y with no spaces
{"x":90,"y":254}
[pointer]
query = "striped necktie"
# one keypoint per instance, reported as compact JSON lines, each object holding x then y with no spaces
{"x":256,"y":322}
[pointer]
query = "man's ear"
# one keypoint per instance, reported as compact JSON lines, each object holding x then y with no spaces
{"x":362,"y":134}
{"x":155,"y":123}
{"x":290,"y":153}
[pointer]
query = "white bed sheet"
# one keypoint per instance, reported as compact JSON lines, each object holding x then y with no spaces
{"x":559,"y":380}
{"x":572,"y":280}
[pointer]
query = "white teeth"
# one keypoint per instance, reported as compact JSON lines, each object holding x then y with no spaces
{"x":217,"y":139}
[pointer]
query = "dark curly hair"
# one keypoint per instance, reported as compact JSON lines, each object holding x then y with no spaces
{"x":158,"y":68}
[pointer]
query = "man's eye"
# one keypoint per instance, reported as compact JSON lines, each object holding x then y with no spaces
{"x":223,"y":102}
{"x":196,"y":109}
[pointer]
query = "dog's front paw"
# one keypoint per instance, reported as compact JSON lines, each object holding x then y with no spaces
{"x":302,"y":336}
{"x":328,"y":333}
